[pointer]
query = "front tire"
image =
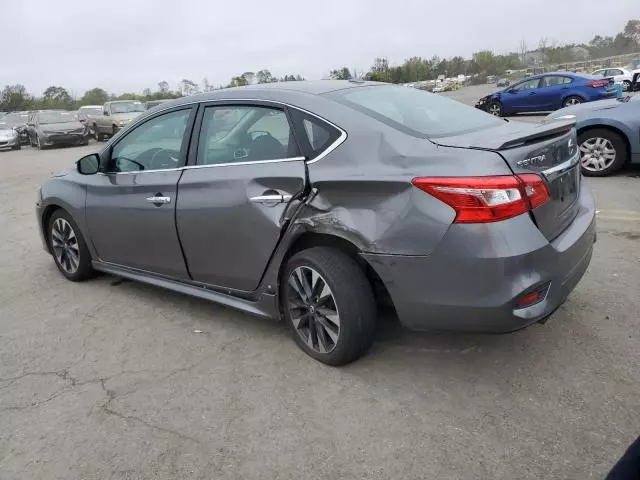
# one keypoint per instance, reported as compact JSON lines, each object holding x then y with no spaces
{"x":495,"y":108}
{"x":39,"y":143}
{"x":626,"y":85}
{"x":602,"y":152}
{"x":96,"y":133}
{"x":16,"y":147}
{"x":328,"y":304}
{"x":572,"y":100}
{"x":68,"y":247}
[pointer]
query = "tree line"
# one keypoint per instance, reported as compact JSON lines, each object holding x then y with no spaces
{"x":482,"y":63}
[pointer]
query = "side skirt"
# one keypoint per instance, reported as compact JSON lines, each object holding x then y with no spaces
{"x":264,"y":306}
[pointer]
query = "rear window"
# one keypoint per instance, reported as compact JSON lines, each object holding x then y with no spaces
{"x":415,"y":112}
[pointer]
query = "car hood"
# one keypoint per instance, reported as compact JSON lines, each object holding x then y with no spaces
{"x":505,"y":136}
{"x":6,"y":131}
{"x":126,"y":116}
{"x":62,"y":126}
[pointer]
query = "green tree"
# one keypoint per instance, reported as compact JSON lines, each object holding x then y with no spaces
{"x":264,"y":76}
{"x":95,"y":96}
{"x":340,"y":74}
{"x":57,"y":97}
{"x":188,"y":87}
{"x":632,"y":31}
{"x":15,"y":98}
{"x":163,"y":86}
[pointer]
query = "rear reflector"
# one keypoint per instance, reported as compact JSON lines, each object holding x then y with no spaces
{"x":532,"y":297}
{"x":597,"y":83}
{"x":486,"y":199}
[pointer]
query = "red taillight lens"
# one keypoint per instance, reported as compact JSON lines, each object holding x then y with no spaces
{"x":597,"y":83}
{"x":486,"y":199}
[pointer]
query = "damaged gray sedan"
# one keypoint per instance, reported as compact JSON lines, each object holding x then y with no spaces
{"x":315,"y":201}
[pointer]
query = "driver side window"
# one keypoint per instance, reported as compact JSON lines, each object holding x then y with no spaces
{"x":528,"y":85}
{"x":154,"y":145}
{"x":242,"y":133}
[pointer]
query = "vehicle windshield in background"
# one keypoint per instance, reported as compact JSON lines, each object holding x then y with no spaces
{"x":90,"y":111}
{"x":415,"y":112}
{"x":127,"y":107}
{"x":56,"y":117}
{"x":15,"y":118}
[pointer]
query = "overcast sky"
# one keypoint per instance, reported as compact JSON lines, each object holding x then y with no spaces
{"x":127,"y":45}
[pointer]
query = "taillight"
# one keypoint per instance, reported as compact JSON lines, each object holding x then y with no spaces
{"x":486,"y":199}
{"x":597,"y":83}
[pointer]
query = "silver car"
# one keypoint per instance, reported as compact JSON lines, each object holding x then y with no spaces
{"x":315,"y":201}
{"x":9,"y":137}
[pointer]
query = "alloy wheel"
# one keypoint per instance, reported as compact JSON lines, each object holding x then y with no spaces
{"x":494,"y":109}
{"x":64,"y":243}
{"x":313,"y":310}
{"x":573,"y":101}
{"x":597,"y":154}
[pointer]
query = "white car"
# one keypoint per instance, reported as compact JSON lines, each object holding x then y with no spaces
{"x":620,"y":75}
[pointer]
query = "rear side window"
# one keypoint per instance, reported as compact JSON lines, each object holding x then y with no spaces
{"x":415,"y":112}
{"x":555,"y":80}
{"x":315,"y":135}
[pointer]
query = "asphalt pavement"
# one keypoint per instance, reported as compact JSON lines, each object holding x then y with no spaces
{"x":111,"y":379}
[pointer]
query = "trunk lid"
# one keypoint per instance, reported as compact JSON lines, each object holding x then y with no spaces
{"x":549,"y":150}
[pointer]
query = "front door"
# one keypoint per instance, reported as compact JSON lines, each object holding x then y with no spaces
{"x":523,"y":97}
{"x":242,"y":175}
{"x":131,"y":206}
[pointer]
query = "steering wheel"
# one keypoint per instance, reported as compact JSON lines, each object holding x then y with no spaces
{"x":257,"y":133}
{"x":128,"y":160}
{"x":164,"y":158}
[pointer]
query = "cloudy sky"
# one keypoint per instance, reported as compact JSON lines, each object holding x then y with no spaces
{"x":127,"y":45}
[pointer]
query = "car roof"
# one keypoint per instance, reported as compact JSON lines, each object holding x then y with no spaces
{"x":90,"y":106}
{"x":276,"y":90}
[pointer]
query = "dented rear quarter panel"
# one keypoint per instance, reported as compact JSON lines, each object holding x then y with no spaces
{"x":365,"y":194}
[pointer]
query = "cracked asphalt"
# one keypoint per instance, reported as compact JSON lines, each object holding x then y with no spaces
{"x":110,"y":379}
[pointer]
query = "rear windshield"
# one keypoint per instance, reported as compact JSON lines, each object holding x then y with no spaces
{"x":414,"y":111}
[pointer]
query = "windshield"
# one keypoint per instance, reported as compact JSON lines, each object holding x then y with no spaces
{"x":127,"y":107}
{"x":415,"y":112}
{"x":90,"y":111}
{"x":16,"y":118}
{"x":56,"y":117}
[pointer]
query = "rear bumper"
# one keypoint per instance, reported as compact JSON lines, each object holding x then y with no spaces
{"x":472,"y":281}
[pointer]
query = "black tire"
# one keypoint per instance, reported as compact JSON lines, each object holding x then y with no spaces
{"x":38,"y":143}
{"x":495,"y":108}
{"x":114,"y":130}
{"x":618,"y":143}
{"x":96,"y":133}
{"x":572,"y":100}
{"x":84,"y":269}
{"x":17,"y":147}
{"x":626,"y":86}
{"x":351,"y":295}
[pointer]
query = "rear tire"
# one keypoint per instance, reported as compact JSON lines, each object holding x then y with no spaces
{"x":602,"y":152}
{"x":336,"y":323}
{"x":572,"y":100}
{"x":495,"y":108}
{"x":626,"y":86}
{"x":68,"y":247}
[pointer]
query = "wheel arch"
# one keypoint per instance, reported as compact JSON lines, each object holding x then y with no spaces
{"x":48,"y":211}
{"x":310,"y":239}
{"x":612,"y":129}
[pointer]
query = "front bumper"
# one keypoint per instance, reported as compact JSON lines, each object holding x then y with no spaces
{"x":471,"y":282}
{"x":9,"y":142}
{"x":52,"y":139}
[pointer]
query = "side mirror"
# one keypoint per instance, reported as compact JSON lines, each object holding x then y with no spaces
{"x":88,"y":165}
{"x":105,"y":113}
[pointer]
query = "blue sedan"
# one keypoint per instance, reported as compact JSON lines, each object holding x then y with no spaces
{"x":608,"y":133}
{"x":547,"y":92}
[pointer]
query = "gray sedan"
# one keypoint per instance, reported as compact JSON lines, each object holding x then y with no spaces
{"x":315,"y":201}
{"x":9,"y":137}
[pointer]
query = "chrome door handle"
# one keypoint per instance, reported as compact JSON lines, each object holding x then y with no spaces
{"x":271,"y":199}
{"x":159,"y":199}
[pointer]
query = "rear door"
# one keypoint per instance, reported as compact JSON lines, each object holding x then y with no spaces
{"x":245,"y":168}
{"x":551,"y":91}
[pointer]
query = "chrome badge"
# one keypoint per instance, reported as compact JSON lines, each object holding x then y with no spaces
{"x":529,"y":162}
